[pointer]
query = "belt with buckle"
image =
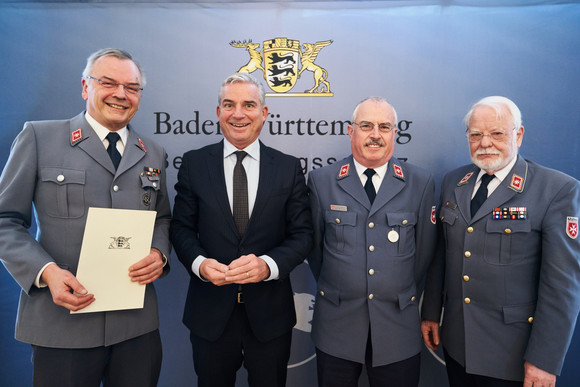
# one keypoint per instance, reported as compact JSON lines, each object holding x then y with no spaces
{"x":240,"y":297}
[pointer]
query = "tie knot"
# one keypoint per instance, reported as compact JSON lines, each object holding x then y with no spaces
{"x":485,"y":179}
{"x":113,"y":137}
{"x":369,"y":172}
{"x":240,"y":155}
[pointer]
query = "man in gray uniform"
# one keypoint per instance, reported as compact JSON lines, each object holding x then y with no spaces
{"x":62,"y":168}
{"x":508,"y":270}
{"x":374,"y":227}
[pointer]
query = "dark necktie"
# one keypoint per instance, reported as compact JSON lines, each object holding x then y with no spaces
{"x":240,"y":210}
{"x":114,"y":154}
{"x":369,"y":187}
{"x":481,"y":194}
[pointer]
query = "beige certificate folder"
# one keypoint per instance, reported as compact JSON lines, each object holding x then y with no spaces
{"x":114,"y":240}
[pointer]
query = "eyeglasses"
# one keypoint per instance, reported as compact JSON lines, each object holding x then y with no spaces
{"x":131,"y":89}
{"x":366,"y":126}
{"x":497,"y":136}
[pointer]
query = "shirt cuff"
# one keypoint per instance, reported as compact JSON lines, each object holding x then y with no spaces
{"x":195,"y":266}
{"x":274,"y":271}
{"x":37,"y":282}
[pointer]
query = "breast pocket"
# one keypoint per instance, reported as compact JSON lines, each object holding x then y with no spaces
{"x":401,"y":233}
{"x":62,"y":192}
{"x":340,"y":235}
{"x":149,"y":188}
{"x":508,"y":241}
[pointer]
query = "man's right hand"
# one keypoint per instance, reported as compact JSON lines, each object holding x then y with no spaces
{"x":430,"y":332}
{"x":214,"y":271}
{"x":66,"y":290}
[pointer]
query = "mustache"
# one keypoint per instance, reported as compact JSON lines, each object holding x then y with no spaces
{"x":375,"y":142}
{"x":487,"y":152}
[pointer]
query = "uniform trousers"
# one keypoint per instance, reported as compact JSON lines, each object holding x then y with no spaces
{"x":216,"y":362}
{"x":134,"y":362}
{"x":458,"y":377}
{"x":337,"y":372}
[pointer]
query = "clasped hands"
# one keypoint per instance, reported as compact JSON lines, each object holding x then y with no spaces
{"x":243,"y":270}
{"x":68,"y":292}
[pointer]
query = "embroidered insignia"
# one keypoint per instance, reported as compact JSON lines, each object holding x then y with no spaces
{"x":465,"y":178}
{"x":398,"y":171}
{"x":517,"y":182}
{"x":76,"y":136}
{"x":142,"y":145}
{"x":433,"y":215}
{"x":344,"y":170}
{"x":572,"y":227}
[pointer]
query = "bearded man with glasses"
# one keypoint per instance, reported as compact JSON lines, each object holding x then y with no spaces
{"x":507,"y":270}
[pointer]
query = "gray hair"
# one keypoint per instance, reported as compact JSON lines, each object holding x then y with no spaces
{"x":243,"y":78}
{"x":117,"y":53}
{"x":377,"y":100}
{"x":496,"y":103}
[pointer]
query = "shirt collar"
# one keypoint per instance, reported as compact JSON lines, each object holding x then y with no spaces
{"x":502,"y":173}
{"x":253,"y":150}
{"x":102,"y":131}
{"x":380,"y":171}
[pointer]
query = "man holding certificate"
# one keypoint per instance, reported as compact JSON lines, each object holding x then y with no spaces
{"x":64,"y":168}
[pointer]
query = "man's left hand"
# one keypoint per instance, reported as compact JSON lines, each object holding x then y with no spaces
{"x":148,"y":269}
{"x":536,"y":377}
{"x":247,"y":269}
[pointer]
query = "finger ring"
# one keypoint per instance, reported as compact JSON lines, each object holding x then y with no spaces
{"x":247,"y":274}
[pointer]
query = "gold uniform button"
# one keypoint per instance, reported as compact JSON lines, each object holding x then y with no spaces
{"x":371,"y":272}
{"x":60,"y":178}
{"x":322,"y":293}
{"x":470,"y":229}
{"x":466,"y":278}
{"x":413,"y":299}
{"x":371,"y":296}
{"x":371,"y":248}
{"x":116,"y":188}
{"x":530,"y":320}
{"x":404,"y":222}
{"x":507,"y":231}
{"x":337,"y":220}
{"x":467,"y":254}
{"x":371,"y":225}
{"x":467,"y":300}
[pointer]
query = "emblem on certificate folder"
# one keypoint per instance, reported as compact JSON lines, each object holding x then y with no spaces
{"x":120,"y":243}
{"x":279,"y":60}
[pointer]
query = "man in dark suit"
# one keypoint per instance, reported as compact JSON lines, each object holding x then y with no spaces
{"x":63,"y":168}
{"x":508,"y":268}
{"x":241,"y":224}
{"x":374,"y":236}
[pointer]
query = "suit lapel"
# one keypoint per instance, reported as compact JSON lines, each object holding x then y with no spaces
{"x":215,"y":168}
{"x":266,"y":181}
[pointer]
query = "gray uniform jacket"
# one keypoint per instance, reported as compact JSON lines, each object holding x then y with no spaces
{"x":510,"y":275}
{"x":369,"y":261}
{"x":62,"y":168}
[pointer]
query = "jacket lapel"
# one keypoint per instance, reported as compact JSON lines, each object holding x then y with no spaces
{"x":83,"y":136}
{"x":349,"y":182}
{"x":135,"y":150}
{"x":215,"y":167}
{"x":463,"y":191}
{"x":393,"y":183}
